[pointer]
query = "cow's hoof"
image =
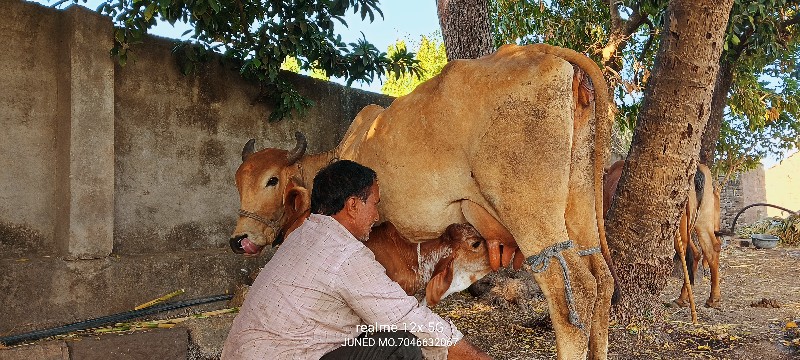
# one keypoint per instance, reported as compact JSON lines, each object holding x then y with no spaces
{"x":680,"y":303}
{"x":716,"y":304}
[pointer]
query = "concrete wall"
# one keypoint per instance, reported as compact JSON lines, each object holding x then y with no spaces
{"x":135,"y":161}
{"x":28,"y":116}
{"x":783,"y":185}
{"x":196,"y":128}
{"x":742,"y":190}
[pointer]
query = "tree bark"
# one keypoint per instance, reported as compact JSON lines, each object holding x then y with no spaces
{"x":465,"y":28}
{"x":719,"y":100}
{"x":675,"y":109}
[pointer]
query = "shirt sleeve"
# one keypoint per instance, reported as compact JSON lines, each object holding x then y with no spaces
{"x":377,"y":299}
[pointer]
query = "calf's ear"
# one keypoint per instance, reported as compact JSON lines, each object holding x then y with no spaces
{"x":440,"y":281}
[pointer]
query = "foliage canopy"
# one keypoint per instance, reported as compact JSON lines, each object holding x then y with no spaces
{"x":258,"y":37}
{"x":432,"y":58}
{"x":761,"y":49}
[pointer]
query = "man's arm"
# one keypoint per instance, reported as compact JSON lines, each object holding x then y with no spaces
{"x":463,"y":350}
{"x":375,"y":298}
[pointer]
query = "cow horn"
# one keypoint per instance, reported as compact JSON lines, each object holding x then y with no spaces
{"x":299,"y":149}
{"x":248,"y":149}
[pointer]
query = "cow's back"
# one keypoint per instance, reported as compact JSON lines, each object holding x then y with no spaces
{"x":427,"y":145}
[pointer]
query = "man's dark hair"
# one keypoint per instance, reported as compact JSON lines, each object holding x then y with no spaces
{"x":337,"y":182}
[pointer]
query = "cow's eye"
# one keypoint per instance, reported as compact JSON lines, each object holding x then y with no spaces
{"x":272,"y":181}
{"x":476,"y":244}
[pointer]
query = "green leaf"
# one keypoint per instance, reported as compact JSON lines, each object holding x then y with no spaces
{"x":214,"y":5}
{"x":148,"y":12}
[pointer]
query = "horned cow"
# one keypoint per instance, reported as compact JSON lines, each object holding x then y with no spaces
{"x":485,"y":142}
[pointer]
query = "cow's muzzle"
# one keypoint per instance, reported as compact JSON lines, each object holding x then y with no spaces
{"x":242,"y":245}
{"x":236,"y":244}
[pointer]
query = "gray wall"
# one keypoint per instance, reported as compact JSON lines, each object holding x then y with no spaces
{"x":28,"y":118}
{"x":135,"y":162}
{"x":740,"y":191}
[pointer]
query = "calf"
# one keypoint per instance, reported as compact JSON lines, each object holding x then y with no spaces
{"x":445,"y":265}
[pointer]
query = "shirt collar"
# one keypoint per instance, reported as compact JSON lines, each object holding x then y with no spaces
{"x":332,"y":224}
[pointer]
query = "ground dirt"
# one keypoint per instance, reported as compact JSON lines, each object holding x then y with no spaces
{"x":511,"y":320}
{"x":521,"y":329}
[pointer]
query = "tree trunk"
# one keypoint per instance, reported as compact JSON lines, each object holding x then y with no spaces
{"x":465,"y":28}
{"x":719,"y":100}
{"x":675,"y":108}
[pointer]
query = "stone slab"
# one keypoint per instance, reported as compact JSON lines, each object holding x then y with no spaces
{"x":54,"y":350}
{"x":162,"y":344}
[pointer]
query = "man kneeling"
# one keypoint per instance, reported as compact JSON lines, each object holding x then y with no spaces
{"x":323,"y":294}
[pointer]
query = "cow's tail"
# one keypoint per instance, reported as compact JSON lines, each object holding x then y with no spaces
{"x":604,"y":115}
{"x":690,"y":264}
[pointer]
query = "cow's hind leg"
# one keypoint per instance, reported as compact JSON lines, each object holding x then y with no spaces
{"x":572,"y":317}
{"x":521,"y":168}
{"x":598,"y":337}
{"x":711,"y":248}
{"x":584,"y":230}
{"x":682,"y":238}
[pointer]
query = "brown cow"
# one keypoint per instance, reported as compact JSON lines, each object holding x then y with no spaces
{"x":513,"y":143}
{"x":702,"y":217}
{"x":702,"y":210}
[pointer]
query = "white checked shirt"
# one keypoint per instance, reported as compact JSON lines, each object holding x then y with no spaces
{"x":314,"y":292}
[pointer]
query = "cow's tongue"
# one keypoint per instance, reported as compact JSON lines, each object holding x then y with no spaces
{"x":249,"y":247}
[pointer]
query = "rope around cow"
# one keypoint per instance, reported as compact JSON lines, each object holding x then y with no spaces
{"x":540,"y":262}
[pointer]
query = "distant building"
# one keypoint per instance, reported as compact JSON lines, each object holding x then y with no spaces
{"x":783,"y":185}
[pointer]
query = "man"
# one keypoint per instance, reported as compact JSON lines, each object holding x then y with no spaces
{"x":324,"y":296}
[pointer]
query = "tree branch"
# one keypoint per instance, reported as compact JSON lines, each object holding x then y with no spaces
{"x":649,"y":41}
{"x":621,"y":30}
{"x":645,"y":49}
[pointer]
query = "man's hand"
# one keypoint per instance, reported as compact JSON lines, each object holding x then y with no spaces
{"x":463,"y":350}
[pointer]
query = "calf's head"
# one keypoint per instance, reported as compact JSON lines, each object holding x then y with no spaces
{"x":271,"y":194}
{"x":467,"y":262}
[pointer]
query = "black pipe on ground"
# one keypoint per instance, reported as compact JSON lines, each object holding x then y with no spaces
{"x":110,"y":319}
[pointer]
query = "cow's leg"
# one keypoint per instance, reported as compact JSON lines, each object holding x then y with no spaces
{"x":572,"y":341}
{"x":593,"y":315}
{"x":583,"y":228}
{"x":697,"y":255}
{"x":521,"y":165}
{"x":682,"y":239}
{"x":711,"y":249}
{"x":598,"y":337}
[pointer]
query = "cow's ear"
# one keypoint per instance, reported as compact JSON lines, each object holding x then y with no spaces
{"x":297,"y":198}
{"x":248,"y":149}
{"x":440,"y":282}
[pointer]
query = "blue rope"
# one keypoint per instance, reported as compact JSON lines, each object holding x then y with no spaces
{"x":541,"y":262}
